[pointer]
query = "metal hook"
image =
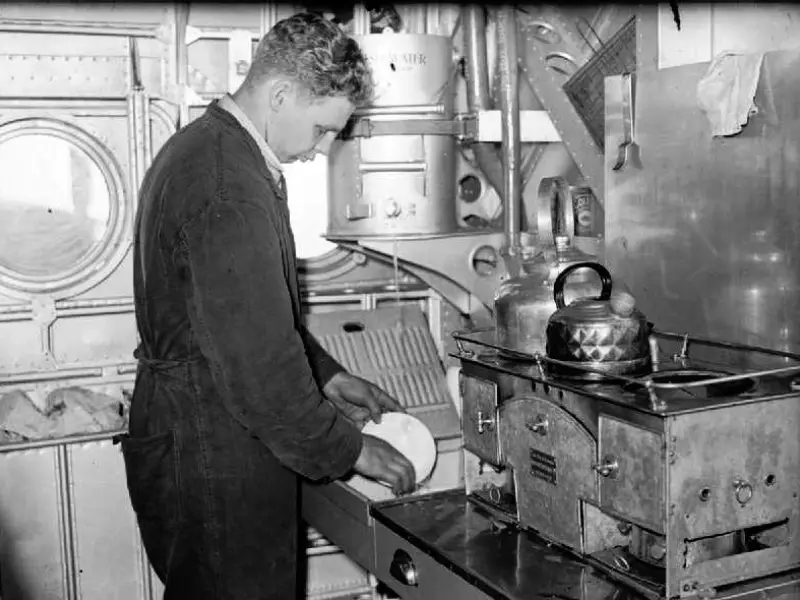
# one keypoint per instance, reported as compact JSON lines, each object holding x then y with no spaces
{"x":628,"y":112}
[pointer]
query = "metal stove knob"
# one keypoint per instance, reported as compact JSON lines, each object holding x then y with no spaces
{"x":392,"y":209}
{"x":608,"y":468}
{"x":403,"y":569}
{"x":539,"y":425}
{"x":658,"y":551}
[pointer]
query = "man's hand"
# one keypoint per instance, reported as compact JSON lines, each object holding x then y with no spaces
{"x":359,"y":399}
{"x":379,"y":460}
{"x":356,"y":414}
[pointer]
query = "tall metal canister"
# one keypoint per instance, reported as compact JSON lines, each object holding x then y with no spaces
{"x":395,"y":175}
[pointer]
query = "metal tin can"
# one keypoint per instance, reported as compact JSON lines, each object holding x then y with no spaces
{"x":583,"y":207}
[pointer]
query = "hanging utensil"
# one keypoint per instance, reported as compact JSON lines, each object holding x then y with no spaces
{"x":627,"y":149}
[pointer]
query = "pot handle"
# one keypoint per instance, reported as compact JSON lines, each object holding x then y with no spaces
{"x":558,"y":286}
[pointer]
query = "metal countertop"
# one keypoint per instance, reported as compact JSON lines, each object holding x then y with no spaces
{"x":509,"y":564}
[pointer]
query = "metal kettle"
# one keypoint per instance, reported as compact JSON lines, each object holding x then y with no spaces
{"x":523,"y":304}
{"x":607,"y":333}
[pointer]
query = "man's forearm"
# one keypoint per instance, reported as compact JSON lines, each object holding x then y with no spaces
{"x":323,"y":365}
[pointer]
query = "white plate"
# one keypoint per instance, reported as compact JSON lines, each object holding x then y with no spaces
{"x":410,"y":437}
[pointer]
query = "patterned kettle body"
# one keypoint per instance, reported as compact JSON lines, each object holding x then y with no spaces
{"x":606,"y":331}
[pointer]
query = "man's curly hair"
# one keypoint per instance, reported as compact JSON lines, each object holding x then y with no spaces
{"x":318,"y":54}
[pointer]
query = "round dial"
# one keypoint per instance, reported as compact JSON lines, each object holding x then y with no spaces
{"x":485,"y":260}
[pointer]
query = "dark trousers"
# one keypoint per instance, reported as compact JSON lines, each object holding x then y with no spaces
{"x":218,"y":515}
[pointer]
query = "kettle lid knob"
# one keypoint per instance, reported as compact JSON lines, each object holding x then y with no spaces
{"x":622,"y":303}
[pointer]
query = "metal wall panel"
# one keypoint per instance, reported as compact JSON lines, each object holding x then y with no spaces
{"x":107,"y":552}
{"x":237,"y":16}
{"x":33,"y":558}
{"x":708,"y":29}
{"x":67,"y":530}
{"x":74,"y":65}
{"x":26,"y":350}
{"x":704,"y":230}
{"x":94,"y":338}
{"x":135,"y":16}
{"x":90,"y":319}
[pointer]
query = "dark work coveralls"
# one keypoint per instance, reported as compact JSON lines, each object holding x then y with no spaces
{"x":226,"y":409}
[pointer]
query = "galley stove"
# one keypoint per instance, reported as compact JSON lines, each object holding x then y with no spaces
{"x":681,"y":482}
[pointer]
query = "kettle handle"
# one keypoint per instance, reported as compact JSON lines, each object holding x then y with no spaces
{"x":558,"y":285}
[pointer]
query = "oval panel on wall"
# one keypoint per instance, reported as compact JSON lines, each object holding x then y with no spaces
{"x":63,"y":210}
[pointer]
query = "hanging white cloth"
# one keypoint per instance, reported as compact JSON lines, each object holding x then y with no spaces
{"x":726,"y":93}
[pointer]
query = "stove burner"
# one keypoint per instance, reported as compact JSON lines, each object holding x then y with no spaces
{"x":711,"y":390}
{"x":632,"y":368}
{"x":518,"y":357}
{"x":628,"y":368}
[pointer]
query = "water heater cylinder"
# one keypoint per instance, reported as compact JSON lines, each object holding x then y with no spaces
{"x":401,"y":183}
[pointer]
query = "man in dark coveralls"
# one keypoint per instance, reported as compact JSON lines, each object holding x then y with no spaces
{"x":233,"y":397}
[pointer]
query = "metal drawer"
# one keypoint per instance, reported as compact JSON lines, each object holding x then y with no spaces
{"x":433,"y":580}
{"x":340,"y":510}
{"x":341,"y":514}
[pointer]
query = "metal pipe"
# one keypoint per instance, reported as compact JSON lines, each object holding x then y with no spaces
{"x":181,"y":56}
{"x":473,"y":23}
{"x":509,"y":109}
{"x":410,"y":109}
{"x":393,"y":167}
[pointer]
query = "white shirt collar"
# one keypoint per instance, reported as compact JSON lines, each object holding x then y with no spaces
{"x":229,"y":104}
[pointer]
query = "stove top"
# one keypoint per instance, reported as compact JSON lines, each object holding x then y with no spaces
{"x":691,"y":374}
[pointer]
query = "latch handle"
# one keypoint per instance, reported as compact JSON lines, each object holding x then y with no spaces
{"x":356,"y":212}
{"x":609,"y":467}
{"x":485,"y":423}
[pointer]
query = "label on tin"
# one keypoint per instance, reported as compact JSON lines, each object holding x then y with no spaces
{"x":583,"y":202}
{"x":399,"y":61}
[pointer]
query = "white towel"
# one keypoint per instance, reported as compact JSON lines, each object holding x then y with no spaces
{"x":727,"y":90}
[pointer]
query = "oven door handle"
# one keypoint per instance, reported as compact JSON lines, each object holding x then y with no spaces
{"x":403,"y":569}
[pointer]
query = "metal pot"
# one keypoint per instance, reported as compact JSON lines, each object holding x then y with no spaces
{"x":605,"y":334}
{"x":523,"y":304}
